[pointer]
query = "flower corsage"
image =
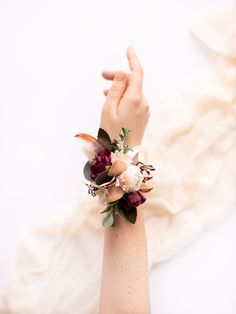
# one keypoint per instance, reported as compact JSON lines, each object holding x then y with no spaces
{"x":115,"y":177}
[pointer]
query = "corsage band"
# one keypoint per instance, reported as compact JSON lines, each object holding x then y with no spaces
{"x":115,"y":177}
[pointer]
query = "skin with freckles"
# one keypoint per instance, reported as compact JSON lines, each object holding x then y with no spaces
{"x":125,"y":283}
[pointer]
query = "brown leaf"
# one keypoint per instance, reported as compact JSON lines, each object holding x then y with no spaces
{"x":145,"y":188}
{"x":114,"y":193}
{"x":87,"y":138}
{"x":117,"y":168}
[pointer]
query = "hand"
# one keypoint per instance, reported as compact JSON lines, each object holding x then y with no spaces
{"x":125,"y":105}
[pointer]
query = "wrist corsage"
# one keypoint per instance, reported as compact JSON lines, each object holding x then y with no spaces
{"x":115,"y":177}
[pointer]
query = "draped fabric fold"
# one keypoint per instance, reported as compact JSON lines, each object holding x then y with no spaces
{"x":58,"y":269}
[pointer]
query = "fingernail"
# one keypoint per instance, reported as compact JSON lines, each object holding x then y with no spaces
{"x":120,"y":76}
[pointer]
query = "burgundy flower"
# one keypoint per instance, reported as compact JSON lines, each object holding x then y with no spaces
{"x":132,"y":200}
{"x":99,"y":163}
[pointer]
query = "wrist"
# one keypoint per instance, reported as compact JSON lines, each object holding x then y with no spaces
{"x":117,"y":176}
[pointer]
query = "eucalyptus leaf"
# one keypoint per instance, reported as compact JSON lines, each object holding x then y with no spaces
{"x":108,"y":220}
{"x":131,"y":215}
{"x":103,"y":177}
{"x":104,"y":138}
{"x":87,"y":171}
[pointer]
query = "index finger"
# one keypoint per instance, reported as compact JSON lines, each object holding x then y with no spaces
{"x":136,"y":72}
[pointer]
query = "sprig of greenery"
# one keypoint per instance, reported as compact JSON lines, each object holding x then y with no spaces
{"x":105,"y":141}
{"x":126,"y":148}
{"x":121,"y":145}
{"x":112,"y":209}
{"x":124,"y":134}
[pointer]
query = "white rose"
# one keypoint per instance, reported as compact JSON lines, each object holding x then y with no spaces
{"x":133,"y":178}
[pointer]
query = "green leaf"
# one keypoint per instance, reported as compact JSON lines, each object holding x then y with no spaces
{"x":126,"y":149}
{"x":106,"y":209}
{"x":114,"y":146}
{"x":120,"y":212}
{"x":103,"y":177}
{"x":109,"y":220}
{"x":114,"y":203}
{"x":87,"y":171}
{"x":104,"y":138}
{"x":131,"y":215}
{"x":124,"y":134}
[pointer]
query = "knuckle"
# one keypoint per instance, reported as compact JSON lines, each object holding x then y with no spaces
{"x":113,"y":96}
{"x":116,"y":88}
{"x":115,"y":91}
{"x":134,"y":99}
{"x":145,"y":105}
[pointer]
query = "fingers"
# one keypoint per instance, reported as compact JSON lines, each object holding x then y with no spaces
{"x":109,"y":75}
{"x":136,"y":72}
{"x":135,"y":78}
{"x":115,"y":93}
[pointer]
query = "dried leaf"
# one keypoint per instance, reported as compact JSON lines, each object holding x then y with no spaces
{"x":114,"y":193}
{"x":117,"y":168}
{"x":87,"y":138}
{"x":103,"y":177}
{"x":104,"y":138}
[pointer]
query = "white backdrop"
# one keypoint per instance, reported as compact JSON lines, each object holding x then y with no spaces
{"x":51,"y":56}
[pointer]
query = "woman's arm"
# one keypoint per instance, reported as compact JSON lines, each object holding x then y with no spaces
{"x":125,"y":283}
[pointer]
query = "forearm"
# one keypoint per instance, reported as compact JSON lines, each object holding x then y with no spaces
{"x":125,"y":277}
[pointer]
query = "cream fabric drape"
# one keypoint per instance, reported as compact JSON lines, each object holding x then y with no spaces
{"x":58,"y":270}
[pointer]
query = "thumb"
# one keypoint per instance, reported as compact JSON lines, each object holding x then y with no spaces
{"x":116,"y":91}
